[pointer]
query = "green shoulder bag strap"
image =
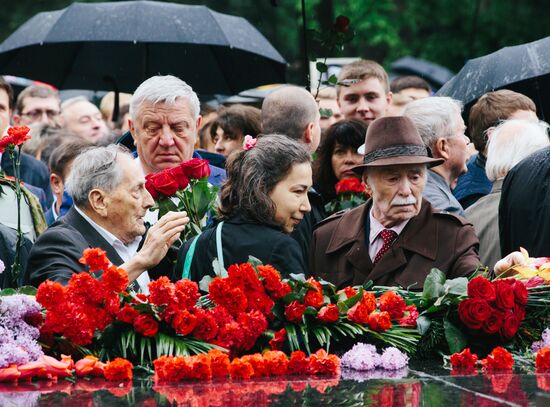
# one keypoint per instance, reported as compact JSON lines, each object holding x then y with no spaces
{"x":191,"y":252}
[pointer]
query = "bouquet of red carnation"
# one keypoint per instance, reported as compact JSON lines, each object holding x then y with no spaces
{"x":494,"y":307}
{"x":350,"y":193}
{"x":184,"y":188}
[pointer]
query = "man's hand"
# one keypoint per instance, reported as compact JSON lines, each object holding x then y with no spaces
{"x":513,"y":259}
{"x":157,"y":242}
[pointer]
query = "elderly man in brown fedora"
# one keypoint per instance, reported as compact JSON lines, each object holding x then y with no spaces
{"x":396,"y":237}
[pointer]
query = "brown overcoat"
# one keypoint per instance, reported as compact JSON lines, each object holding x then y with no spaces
{"x":339,"y":249}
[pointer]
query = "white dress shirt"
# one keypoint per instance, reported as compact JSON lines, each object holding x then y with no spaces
{"x":126,"y":252}
{"x":375,"y":240}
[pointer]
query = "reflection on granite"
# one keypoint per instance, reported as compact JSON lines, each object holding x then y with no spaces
{"x":428,"y":385}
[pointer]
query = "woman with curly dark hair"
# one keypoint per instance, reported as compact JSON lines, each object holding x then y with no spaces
{"x":263,"y":199}
{"x":338,"y":155}
{"x":231,"y":125}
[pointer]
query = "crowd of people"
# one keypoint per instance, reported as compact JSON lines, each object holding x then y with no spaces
{"x":435,"y":199}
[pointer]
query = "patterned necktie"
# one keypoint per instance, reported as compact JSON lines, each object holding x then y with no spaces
{"x":388,"y":236}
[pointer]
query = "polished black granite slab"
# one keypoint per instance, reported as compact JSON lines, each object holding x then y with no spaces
{"x":422,"y":384}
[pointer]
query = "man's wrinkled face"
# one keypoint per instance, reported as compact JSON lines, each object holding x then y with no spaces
{"x":458,"y":149}
{"x":164,"y":134}
{"x":84,"y":119}
{"x":40,"y":110}
{"x":5,"y":112}
{"x":365,"y":100}
{"x":128,"y":203}
{"x":396,"y":191}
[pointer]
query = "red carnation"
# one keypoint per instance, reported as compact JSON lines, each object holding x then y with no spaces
{"x":95,"y":258}
{"x":146,"y":325}
{"x":196,"y":168}
{"x":360,"y":312}
{"x":206,"y":327}
{"x":50,"y":294}
{"x":184,"y":322}
{"x":464,"y":359}
{"x":323,"y":363}
{"x":505,"y":297}
{"x":115,"y":279}
{"x":392,"y":303}
{"x":349,"y":291}
{"x":200,"y":367}
{"x":314,"y":298}
{"x":380,"y":321}
{"x":341,"y":24}
{"x":349,"y":185}
{"x":187,"y":292}
{"x":499,"y":358}
{"x":473,"y":312}
{"x":510,"y":326}
{"x":410,"y":315}
{"x":258,"y":364}
{"x":219,"y":363}
{"x":161,"y":291}
{"x":542,"y":361}
{"x":240,"y":369}
{"x":16,"y":136}
{"x":276,"y":362}
{"x":295,"y":311}
{"x":329,"y":313}
{"x":298,"y":363}
{"x":480,"y":287}
{"x":118,"y":370}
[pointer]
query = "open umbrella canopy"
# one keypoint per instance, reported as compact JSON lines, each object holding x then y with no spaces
{"x":523,"y":68}
{"x":435,"y":74}
{"x":104,"y":46}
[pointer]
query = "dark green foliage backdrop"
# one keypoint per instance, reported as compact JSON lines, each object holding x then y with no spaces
{"x":447,"y":32}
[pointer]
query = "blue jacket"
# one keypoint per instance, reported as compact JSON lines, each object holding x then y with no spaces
{"x":474,"y":184}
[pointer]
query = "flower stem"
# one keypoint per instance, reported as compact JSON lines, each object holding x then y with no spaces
{"x":16,"y":267}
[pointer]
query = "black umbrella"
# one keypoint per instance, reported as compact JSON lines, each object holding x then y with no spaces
{"x":104,"y":46}
{"x":435,"y":74}
{"x":523,"y":68}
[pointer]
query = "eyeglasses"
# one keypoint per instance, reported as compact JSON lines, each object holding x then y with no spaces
{"x":37,"y":114}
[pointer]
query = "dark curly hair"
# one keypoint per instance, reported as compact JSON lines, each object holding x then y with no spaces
{"x":348,"y":133}
{"x":253,"y":174}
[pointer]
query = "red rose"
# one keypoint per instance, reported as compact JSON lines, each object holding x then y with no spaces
{"x":180,"y":176}
{"x":542,"y":361}
{"x":127,"y":314}
{"x":314,"y":298}
{"x":510,"y":326}
{"x":184,"y":322}
{"x":473,"y":312}
{"x":329,"y":313}
{"x":519,"y":312}
{"x":464,"y":359}
{"x":341,"y":24}
{"x":380,"y":321}
{"x":161,"y":183}
{"x":295,"y":311}
{"x":350,"y":292}
{"x":499,"y":358}
{"x":520,"y":293}
{"x":146,"y":325}
{"x":196,"y":168}
{"x":349,"y":186}
{"x":393,"y":304}
{"x":278,"y":340}
{"x":493,"y":324}
{"x":480,"y":287}
{"x":505,"y":297}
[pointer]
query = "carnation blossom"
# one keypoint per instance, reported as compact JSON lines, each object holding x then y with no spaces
{"x":393,"y":359}
{"x":361,"y":357}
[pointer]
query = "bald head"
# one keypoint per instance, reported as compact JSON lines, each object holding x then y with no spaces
{"x":289,"y":111}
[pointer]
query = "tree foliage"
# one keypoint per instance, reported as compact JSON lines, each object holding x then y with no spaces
{"x":443,"y":31}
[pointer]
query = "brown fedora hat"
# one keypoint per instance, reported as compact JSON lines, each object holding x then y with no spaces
{"x":395,"y":141}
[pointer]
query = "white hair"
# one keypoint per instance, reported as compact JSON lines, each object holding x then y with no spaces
{"x":71,"y":101}
{"x":434,"y":117}
{"x":95,"y":168}
{"x":512,"y":141}
{"x":164,"y":89}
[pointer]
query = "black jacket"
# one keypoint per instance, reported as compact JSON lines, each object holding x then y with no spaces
{"x":241,"y":238}
{"x":56,"y":253}
{"x":524,"y":211}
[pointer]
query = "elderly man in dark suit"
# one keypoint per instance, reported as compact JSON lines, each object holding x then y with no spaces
{"x":396,"y":237}
{"x":110,"y":202}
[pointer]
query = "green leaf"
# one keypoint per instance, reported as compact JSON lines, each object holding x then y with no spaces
{"x":166,"y":205}
{"x":255,"y":261}
{"x":455,"y":338}
{"x":201,"y":198}
{"x":7,"y":291}
{"x":457,"y":286}
{"x":321,"y":67}
{"x":333,"y":79}
{"x":423,"y":324}
{"x":27,"y":290}
{"x":298,"y":277}
{"x":433,"y":286}
{"x":310,"y":311}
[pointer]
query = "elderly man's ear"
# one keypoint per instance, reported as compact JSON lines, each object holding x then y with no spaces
{"x":98,"y":202}
{"x":441,"y":148}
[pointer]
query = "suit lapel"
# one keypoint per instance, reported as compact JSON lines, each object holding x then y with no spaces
{"x":93,"y":238}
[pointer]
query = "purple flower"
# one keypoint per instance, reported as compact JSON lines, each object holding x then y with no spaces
{"x":543,"y":343}
{"x":2,"y":267}
{"x":361,"y":357}
{"x":361,"y":376}
{"x":393,"y":359}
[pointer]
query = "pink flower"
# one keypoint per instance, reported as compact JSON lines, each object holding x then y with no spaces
{"x":249,"y":142}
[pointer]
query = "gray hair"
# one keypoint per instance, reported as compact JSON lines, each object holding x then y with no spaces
{"x":434,"y":117}
{"x":98,"y":168}
{"x":288,"y":111}
{"x":164,"y":89}
{"x":71,"y":101}
{"x":511,"y":142}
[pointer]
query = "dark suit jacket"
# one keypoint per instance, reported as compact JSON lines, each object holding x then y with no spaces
{"x":33,"y":172}
{"x":56,"y":252}
{"x":339,"y":249}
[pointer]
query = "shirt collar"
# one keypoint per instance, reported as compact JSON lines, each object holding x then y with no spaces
{"x":108,"y":236}
{"x":376,"y":227}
